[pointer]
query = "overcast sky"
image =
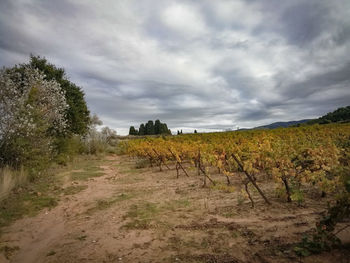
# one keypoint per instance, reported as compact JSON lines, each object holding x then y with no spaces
{"x":205,"y":65}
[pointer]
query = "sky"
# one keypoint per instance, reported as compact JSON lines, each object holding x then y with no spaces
{"x":204,"y":64}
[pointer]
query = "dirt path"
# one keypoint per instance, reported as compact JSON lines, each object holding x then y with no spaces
{"x":38,"y":236}
{"x":142,"y":215}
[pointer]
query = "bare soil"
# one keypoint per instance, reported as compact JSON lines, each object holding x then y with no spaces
{"x":147,"y":215}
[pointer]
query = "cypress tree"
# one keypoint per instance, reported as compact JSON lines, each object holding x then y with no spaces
{"x":149,"y":128}
{"x":132,"y":131}
{"x":158,"y":127}
{"x":142,"y":129}
{"x":165,"y":129}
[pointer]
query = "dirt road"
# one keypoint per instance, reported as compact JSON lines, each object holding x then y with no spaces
{"x":144,"y":215}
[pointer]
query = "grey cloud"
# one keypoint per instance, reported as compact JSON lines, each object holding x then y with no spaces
{"x":319,"y":82}
{"x":305,"y":21}
{"x":219,"y":65}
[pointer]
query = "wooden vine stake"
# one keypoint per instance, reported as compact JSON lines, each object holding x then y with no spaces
{"x":161,"y":160}
{"x":178,"y":165}
{"x":150,"y":157}
{"x":200,"y":169}
{"x":246,"y":184}
{"x":199,"y":162}
{"x":250,"y":178}
{"x":227,"y":177}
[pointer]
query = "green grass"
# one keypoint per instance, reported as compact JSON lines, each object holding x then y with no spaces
{"x":131,"y":179}
{"x":32,"y":198}
{"x":133,"y":175}
{"x":142,"y":215}
{"x":44,"y":192}
{"x":176,"y":243}
{"x":86,"y":169}
{"x":86,"y":175}
{"x":74,"y":189}
{"x":86,"y":163}
{"x":107,"y":203}
{"x":175,"y":205}
{"x":129,"y":170}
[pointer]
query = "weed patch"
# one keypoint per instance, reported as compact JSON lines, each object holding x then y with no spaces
{"x":29,"y":200}
{"x":107,"y":203}
{"x":8,"y":251}
{"x":141,"y":215}
{"x":74,"y":189}
{"x":88,"y":173}
{"x":175,"y":205}
{"x":82,"y":238}
{"x":44,"y":192}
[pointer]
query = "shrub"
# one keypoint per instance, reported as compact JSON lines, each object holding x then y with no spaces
{"x":32,"y":114}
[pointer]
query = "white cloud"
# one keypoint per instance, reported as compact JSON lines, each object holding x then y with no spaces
{"x":184,"y":19}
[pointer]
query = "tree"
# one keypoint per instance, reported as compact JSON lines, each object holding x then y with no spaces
{"x":195,"y":131}
{"x":77,"y":113}
{"x":94,"y":121}
{"x":149,"y":128}
{"x":164,"y":129}
{"x":32,"y":111}
{"x":158,"y":129}
{"x":142,"y":129}
{"x":93,"y":139}
{"x":133,"y":131}
{"x":339,"y":115}
{"x":108,"y":135}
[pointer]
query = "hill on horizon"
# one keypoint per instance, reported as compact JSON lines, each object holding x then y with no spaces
{"x":341,"y":114}
{"x":282,"y":124}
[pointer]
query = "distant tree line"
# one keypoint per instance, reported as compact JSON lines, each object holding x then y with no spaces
{"x":150,"y":128}
{"x":339,"y":115}
{"x":179,"y":132}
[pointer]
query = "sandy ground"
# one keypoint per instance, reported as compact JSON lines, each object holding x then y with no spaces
{"x":144,"y":215}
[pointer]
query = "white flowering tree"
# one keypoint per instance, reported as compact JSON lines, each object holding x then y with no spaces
{"x":32,"y":112}
{"x":98,"y":140}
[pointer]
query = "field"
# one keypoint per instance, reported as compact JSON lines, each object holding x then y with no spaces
{"x":119,"y":209}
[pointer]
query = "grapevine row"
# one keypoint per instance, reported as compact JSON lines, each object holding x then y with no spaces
{"x":313,"y":155}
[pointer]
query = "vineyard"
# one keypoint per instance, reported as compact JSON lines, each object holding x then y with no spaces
{"x":294,"y":161}
{"x":316,"y":156}
{"x":257,"y":196}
